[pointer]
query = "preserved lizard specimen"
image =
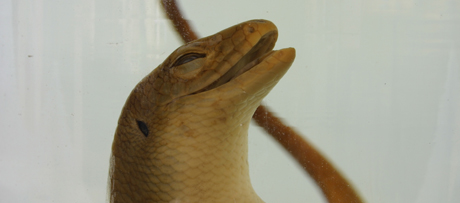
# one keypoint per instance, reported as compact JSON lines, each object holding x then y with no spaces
{"x":182,"y":134}
{"x":200,"y":168}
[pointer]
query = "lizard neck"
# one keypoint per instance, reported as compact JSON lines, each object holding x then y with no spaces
{"x":192,"y":158}
{"x":219,"y":172}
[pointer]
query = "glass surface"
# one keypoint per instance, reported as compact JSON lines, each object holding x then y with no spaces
{"x":375,"y":86}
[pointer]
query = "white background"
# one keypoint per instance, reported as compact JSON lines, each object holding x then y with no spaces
{"x":375,"y":86}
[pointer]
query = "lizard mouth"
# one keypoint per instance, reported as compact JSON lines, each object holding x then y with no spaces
{"x":254,"y":56}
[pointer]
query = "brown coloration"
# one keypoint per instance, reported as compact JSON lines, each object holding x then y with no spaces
{"x":333,"y":185}
{"x":180,"y":24}
{"x":196,"y":107}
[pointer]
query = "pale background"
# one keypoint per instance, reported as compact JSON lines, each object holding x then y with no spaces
{"x":375,"y":86}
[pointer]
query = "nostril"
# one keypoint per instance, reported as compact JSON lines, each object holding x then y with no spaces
{"x":250,"y":29}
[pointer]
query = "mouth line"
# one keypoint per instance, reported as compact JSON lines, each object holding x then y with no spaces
{"x":254,"y":56}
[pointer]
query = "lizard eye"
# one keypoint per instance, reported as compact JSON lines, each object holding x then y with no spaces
{"x":143,"y":127}
{"x":187,"y":58}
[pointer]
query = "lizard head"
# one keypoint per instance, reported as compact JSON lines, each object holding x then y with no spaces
{"x":208,"y":63}
{"x":238,"y":62}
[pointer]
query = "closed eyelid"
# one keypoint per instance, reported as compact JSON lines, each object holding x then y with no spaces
{"x":187,"y":58}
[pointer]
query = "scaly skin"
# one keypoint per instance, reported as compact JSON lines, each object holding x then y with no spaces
{"x":193,"y":147}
